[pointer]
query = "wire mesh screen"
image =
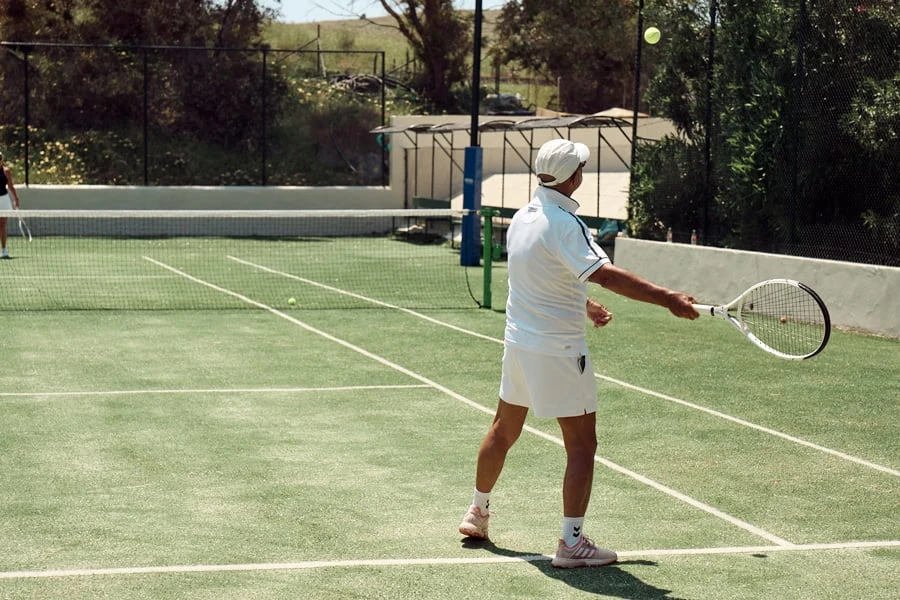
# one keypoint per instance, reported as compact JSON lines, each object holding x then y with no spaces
{"x":162,"y":115}
{"x":789,"y":128}
{"x":210,"y":260}
{"x":848,"y":133}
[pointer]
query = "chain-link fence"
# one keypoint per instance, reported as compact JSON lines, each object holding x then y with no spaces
{"x":158,"y":115}
{"x":789,"y":121}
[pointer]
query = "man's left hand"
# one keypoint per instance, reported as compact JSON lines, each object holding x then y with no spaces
{"x":598,"y":314}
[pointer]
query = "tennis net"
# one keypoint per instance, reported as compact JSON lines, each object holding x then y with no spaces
{"x":207,"y":260}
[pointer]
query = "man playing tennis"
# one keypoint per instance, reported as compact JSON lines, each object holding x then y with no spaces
{"x":546,"y":365}
{"x":6,"y":181}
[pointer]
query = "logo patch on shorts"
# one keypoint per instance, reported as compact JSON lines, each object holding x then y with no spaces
{"x":581,"y":362}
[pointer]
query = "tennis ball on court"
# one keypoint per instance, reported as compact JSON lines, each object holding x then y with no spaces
{"x":783,"y":319}
{"x":292,"y":301}
{"x":652,"y":35}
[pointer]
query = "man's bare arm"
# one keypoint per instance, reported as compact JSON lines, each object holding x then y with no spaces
{"x":625,"y":283}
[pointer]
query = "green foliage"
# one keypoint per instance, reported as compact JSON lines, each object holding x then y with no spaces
{"x":668,"y":190}
{"x":102,"y":87}
{"x":587,"y":47}
{"x":805,"y":125}
{"x":440,"y":39}
{"x":204,"y":106}
{"x":679,"y":83}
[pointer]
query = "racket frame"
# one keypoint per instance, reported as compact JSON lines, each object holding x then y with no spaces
{"x":731,"y":313}
{"x":24,"y":229}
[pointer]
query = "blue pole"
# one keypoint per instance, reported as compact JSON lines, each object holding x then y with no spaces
{"x":471,"y":232}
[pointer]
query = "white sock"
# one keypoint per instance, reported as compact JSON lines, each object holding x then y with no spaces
{"x":571,"y":530}
{"x":482,"y":500}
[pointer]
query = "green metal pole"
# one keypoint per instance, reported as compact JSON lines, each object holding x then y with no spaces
{"x":487,"y":252}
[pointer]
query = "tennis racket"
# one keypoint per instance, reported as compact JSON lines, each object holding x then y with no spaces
{"x":24,"y":229}
{"x":783,"y":317}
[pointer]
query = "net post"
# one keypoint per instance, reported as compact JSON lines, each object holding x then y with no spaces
{"x":471,"y":203}
{"x":487,"y":252}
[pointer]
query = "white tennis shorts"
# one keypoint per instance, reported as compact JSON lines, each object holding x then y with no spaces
{"x":6,"y":202}
{"x":554,"y":386}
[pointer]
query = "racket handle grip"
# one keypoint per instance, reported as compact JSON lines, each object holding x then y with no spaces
{"x":705,"y":309}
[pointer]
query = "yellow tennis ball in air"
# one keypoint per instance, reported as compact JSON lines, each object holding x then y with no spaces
{"x":652,"y":35}
{"x":292,"y":301}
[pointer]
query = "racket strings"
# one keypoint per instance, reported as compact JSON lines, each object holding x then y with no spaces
{"x":786,"y":318}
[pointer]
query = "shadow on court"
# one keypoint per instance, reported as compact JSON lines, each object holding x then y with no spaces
{"x":610,"y":580}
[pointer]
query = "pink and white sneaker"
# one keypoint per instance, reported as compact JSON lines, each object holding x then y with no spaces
{"x":583,"y":554}
{"x":475,"y":523}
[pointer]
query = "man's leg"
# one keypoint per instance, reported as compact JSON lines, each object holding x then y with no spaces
{"x":503,"y":433}
{"x":580,"y":437}
{"x":575,"y":549}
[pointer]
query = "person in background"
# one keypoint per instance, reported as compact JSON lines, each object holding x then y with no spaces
{"x":546,"y":367}
{"x":9,"y":200}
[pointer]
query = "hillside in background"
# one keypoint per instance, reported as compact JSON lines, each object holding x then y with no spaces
{"x":381,"y":35}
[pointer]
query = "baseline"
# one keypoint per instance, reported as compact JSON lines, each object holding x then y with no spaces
{"x":410,"y":562}
{"x":347,"y":388}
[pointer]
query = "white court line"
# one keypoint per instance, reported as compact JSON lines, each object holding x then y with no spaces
{"x":364,"y":299}
{"x":411,"y":562}
{"x":779,"y":434}
{"x":721,"y":415}
{"x":692,"y":502}
{"x":108,"y":277}
{"x":347,"y":388}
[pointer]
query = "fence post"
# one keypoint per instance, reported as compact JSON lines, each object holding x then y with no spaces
{"x":320,"y":66}
{"x":637,"y":83}
{"x":265,"y":117}
{"x":384,"y":151}
{"x":27,"y":118}
{"x":796,"y":116}
{"x":707,"y":151}
{"x":146,"y":116}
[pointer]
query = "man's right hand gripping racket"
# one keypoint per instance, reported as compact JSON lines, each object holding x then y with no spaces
{"x":783,"y":317}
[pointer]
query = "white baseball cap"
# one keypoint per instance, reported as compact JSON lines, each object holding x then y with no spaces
{"x":558,"y":159}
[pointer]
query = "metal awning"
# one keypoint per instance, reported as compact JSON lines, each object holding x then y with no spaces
{"x":613,"y":117}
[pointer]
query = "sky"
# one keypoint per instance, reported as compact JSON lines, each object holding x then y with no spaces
{"x":309,"y":11}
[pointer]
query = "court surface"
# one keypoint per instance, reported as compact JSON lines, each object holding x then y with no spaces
{"x":283,"y":452}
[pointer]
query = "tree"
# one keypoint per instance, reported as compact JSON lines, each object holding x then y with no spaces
{"x":805,"y":130}
{"x":587,"y":46}
{"x":440,"y":39}
{"x":102,"y":86}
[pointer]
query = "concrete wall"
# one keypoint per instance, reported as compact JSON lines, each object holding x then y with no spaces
{"x":412,"y":173}
{"x":90,"y":197}
{"x":863,"y":297}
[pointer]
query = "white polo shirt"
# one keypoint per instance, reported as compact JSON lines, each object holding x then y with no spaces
{"x":551,"y":254}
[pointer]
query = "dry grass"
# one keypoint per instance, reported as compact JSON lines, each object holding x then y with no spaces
{"x":381,"y":35}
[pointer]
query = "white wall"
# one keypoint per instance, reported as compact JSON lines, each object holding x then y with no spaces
{"x":90,"y":197}
{"x":425,"y":157}
{"x":863,"y":297}
{"x":406,"y":179}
